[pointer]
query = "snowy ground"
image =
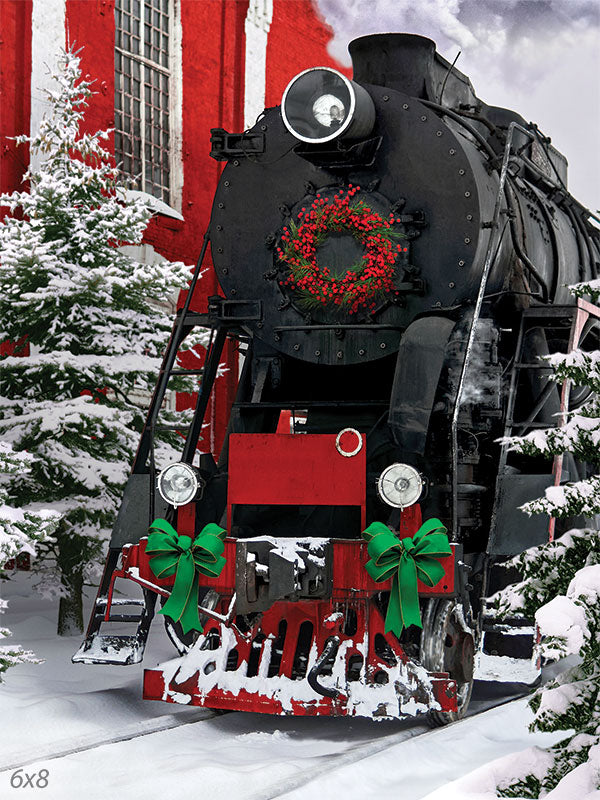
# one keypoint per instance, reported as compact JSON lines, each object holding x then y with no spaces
{"x":61,"y":707}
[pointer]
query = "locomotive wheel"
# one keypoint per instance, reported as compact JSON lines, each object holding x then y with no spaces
{"x":184,"y":641}
{"x":448,"y":645}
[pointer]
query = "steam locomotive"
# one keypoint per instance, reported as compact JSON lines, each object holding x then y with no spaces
{"x":393,"y":255}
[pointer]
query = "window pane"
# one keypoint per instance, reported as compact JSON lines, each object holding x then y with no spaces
{"x":142,"y":131}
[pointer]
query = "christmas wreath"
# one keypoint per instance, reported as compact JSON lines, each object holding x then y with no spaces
{"x":361,"y":285}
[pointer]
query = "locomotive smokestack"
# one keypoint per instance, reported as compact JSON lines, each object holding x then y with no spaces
{"x":400,"y":61}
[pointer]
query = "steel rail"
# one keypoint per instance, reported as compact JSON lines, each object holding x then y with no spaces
{"x":411,"y":728}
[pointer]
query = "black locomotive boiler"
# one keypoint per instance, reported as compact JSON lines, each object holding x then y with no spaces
{"x":393,"y":255}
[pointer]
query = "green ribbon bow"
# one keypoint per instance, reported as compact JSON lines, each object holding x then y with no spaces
{"x":406,"y":560}
{"x":186,"y":558}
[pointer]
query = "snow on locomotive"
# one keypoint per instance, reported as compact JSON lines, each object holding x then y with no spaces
{"x":393,"y":255}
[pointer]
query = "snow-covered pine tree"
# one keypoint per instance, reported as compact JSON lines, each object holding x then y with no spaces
{"x":561,"y":588}
{"x":95,"y":329}
{"x":21,"y":529}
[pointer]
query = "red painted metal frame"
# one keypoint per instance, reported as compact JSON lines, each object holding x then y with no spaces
{"x":353,"y":590}
{"x":583,"y":313}
{"x":288,"y":469}
{"x":327,"y":619}
{"x":350,"y":579}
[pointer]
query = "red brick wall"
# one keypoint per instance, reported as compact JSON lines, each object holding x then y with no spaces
{"x":90,"y":25}
{"x":15,"y":90}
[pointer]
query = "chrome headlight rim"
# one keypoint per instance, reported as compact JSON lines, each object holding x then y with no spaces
{"x":342,"y":128}
{"x":395,"y":473}
{"x":197,"y":483}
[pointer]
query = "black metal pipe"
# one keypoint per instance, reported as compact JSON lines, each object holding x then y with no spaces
{"x":313,"y":676}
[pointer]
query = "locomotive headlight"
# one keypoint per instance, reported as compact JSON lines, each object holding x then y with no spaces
{"x":179,"y":483}
{"x":321,"y":104}
{"x":400,"y":485}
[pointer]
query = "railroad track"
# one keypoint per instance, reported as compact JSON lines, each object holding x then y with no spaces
{"x":411,"y":728}
{"x":80,"y":744}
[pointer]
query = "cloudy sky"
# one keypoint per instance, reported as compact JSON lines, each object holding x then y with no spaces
{"x":538,"y":57}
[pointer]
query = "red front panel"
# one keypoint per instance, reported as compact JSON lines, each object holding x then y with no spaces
{"x":288,"y":469}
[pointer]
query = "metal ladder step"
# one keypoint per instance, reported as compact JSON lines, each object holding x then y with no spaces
{"x":110,"y":649}
{"x":106,"y":648}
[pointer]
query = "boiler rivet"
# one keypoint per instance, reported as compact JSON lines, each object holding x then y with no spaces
{"x":451,"y":285}
{"x":236,"y":163}
{"x":467,"y":240}
{"x":221,"y":205}
{"x":423,"y":118}
{"x":461,"y":263}
{"x":219,"y":227}
{"x":385,"y":97}
{"x":226,"y":183}
{"x":317,"y":352}
{"x":461,"y":172}
{"x":233,"y":291}
{"x":452,"y":152}
{"x":438,"y":303}
{"x":340,"y":354}
{"x":382,"y":345}
{"x":467,"y":194}
{"x":219,"y":249}
{"x":296,"y":347}
{"x":438,"y":133}
{"x":405,"y":106}
{"x":224,"y":270}
{"x":469,"y":217}
{"x":263,"y":127}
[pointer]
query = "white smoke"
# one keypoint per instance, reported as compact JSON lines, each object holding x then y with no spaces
{"x":540,"y":58}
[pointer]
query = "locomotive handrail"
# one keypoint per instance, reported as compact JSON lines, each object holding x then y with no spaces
{"x":346,"y":326}
{"x":489,"y":256}
{"x":300,"y":404}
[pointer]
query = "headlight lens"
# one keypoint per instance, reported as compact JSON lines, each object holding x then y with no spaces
{"x":179,"y":483}
{"x":329,"y":111}
{"x":321,"y":104}
{"x":400,"y":485}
